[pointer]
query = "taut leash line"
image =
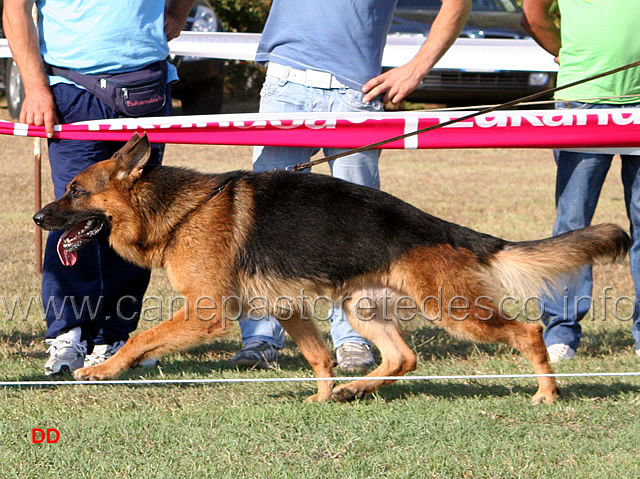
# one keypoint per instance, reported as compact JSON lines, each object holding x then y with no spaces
{"x":309,"y":164}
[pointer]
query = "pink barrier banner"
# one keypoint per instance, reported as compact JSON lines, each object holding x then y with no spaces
{"x":615,"y":130}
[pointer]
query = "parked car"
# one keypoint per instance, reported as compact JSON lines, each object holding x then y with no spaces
{"x":201,"y":85}
{"x":488,"y":19}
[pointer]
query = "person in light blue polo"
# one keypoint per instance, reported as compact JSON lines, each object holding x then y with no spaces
{"x":326,"y":56}
{"x":93,"y":305}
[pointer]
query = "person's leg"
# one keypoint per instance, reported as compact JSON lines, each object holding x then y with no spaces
{"x":578,"y":184}
{"x":358,"y":168}
{"x":352,"y":350}
{"x":72,"y":294}
{"x":282,"y":97}
{"x":631,"y":182}
{"x":261,"y":340}
{"x":123,"y":284}
{"x":263,"y":337}
{"x":101,"y":291}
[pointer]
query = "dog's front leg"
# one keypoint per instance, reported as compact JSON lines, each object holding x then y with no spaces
{"x":314,"y":349}
{"x":176,"y":334}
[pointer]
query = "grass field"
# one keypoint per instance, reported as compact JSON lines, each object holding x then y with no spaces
{"x":449,"y":429}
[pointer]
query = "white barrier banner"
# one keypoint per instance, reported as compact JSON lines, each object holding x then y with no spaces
{"x":611,"y":130}
{"x":468,"y":54}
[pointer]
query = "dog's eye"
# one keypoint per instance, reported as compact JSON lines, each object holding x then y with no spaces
{"x":76,"y":191}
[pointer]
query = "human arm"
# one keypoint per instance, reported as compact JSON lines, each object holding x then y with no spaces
{"x":398,"y":82}
{"x":538,"y":21}
{"x":38,"y":107}
{"x":175,"y":17}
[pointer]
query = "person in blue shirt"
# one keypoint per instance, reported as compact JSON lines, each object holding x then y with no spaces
{"x":92,"y":306}
{"x":326,"y":56}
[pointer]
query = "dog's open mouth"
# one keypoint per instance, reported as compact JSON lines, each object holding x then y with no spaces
{"x":76,"y":238}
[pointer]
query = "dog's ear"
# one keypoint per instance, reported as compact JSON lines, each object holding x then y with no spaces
{"x":133,"y":157}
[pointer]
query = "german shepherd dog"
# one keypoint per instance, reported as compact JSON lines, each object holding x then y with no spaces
{"x":275,"y":234}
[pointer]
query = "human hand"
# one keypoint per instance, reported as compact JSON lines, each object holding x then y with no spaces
{"x":172,"y":26}
{"x":395,"y":84}
{"x":39,"y":108}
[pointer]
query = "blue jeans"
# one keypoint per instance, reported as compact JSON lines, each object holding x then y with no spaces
{"x":286,"y":97}
{"x":102,"y":293}
{"x":361,"y":168}
{"x":579,"y":180}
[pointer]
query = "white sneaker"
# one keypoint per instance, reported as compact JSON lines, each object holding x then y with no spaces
{"x":102,"y":352}
{"x":638,"y":352}
{"x":66,"y":353}
{"x":560,"y":352}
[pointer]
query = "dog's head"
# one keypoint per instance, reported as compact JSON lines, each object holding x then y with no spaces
{"x":91,"y":200}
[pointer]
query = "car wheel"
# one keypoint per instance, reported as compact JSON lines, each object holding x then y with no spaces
{"x":14,"y":89}
{"x":204,"y":99}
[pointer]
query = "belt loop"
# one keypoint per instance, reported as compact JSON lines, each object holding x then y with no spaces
{"x":284,"y":77}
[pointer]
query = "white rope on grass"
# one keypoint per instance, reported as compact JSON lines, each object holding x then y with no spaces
{"x":148,"y":382}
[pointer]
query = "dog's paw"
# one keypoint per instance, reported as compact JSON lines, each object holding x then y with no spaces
{"x":347,"y":393}
{"x":91,"y":373}
{"x":319,"y":397}
{"x":542,"y":397}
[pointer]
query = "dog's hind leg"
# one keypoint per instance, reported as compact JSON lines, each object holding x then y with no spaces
{"x":526,"y":338}
{"x":468,"y":308}
{"x":176,"y":334}
{"x":471,"y":314}
{"x":313,"y":348}
{"x":397,"y":357}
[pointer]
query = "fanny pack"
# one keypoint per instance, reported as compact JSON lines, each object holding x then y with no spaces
{"x":136,"y":93}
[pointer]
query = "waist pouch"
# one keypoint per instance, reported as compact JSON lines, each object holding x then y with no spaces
{"x":135,"y":93}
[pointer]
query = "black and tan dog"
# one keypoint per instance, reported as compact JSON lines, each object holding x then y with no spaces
{"x":273,"y":235}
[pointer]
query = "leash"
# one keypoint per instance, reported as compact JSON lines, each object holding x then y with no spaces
{"x":309,"y":164}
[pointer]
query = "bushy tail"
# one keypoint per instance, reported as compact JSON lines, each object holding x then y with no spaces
{"x":531,"y":267}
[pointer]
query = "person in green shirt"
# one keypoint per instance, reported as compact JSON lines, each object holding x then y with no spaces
{"x":594,"y":36}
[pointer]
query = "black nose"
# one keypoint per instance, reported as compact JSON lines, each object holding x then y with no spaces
{"x":38,"y":218}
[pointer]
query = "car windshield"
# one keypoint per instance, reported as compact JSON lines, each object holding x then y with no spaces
{"x":478,"y":5}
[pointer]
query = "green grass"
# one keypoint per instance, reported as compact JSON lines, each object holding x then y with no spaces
{"x":450,"y":429}
{"x":440,"y":429}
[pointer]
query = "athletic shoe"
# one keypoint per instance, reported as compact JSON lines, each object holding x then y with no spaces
{"x":560,"y":352}
{"x":355,"y":357}
{"x":637,"y":351}
{"x":102,"y":352}
{"x":66,"y":353}
{"x":256,"y":355}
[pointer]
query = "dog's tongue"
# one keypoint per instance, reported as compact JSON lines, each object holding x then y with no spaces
{"x":68,"y":258}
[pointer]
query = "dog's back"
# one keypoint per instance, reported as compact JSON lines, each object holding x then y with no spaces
{"x":321,"y":228}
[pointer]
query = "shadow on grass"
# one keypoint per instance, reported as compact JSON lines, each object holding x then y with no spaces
{"x":450,"y":390}
{"x":431,"y":344}
{"x":605,"y":341}
{"x":25,"y":345}
{"x":453,"y":390}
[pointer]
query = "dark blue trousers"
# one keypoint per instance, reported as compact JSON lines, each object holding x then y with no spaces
{"x":101,"y":293}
